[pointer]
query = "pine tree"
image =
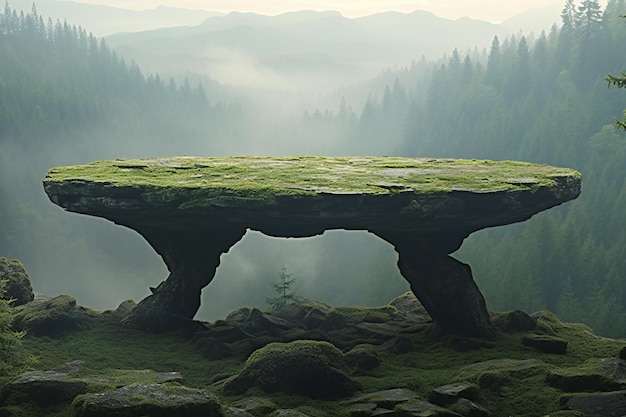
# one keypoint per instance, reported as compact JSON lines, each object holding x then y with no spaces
{"x":285,"y":294}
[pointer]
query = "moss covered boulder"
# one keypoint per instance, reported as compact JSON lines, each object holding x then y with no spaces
{"x":16,"y":285}
{"x":53,"y":316}
{"x":307,"y":367}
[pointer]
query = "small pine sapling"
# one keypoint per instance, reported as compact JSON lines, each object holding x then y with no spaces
{"x":282,"y":287}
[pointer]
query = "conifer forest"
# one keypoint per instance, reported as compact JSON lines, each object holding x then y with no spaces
{"x":67,"y":97}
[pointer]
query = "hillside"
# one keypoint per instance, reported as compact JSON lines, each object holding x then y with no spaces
{"x":535,"y":366}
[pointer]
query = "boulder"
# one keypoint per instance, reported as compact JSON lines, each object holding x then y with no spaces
{"x":363,"y":357}
{"x":154,"y":400}
{"x":313,"y":368}
{"x":228,"y":411}
{"x":468,"y":408}
{"x":608,"y":374}
{"x":255,"y":405}
{"x":450,"y":393}
{"x":386,"y":399}
{"x":17,"y":284}
{"x":45,"y":388}
{"x":515,"y":321}
{"x":52,"y":317}
{"x":192,"y":210}
{"x":598,"y":404}
{"x":125,"y":307}
{"x":497,"y":373}
{"x":422,"y":409}
{"x":546,"y":344}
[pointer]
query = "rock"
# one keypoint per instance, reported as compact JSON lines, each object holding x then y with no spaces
{"x":622,"y":353}
{"x":498,"y":373}
{"x":315,"y":317}
{"x":422,"y":409}
{"x":607,"y":374}
{"x":307,"y":367}
{"x":125,"y":307}
{"x":235,"y":412}
{"x":387,"y":399}
{"x":467,"y":408}
{"x":516,"y":368}
{"x":154,"y":400}
{"x":603,"y":404}
{"x":450,"y":393}
{"x":17,"y":286}
{"x":361,"y":409}
{"x":285,"y":412}
{"x":45,"y":388}
{"x":409,"y":306}
{"x":255,"y":405}
{"x":363,"y":357}
{"x":156,"y":377}
{"x":52,"y":317}
{"x":546,"y":344}
{"x":515,"y":321}
{"x":255,"y":322}
{"x":191,"y":210}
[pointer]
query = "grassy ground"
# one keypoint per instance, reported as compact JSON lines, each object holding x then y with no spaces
{"x":107,"y":349}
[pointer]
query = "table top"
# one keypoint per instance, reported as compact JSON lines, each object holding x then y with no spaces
{"x":305,"y":195}
{"x":307,"y":175}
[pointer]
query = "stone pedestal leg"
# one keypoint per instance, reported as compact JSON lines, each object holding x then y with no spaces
{"x":192,"y":259}
{"x":444,"y":286}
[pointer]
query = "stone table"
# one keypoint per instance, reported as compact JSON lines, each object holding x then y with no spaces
{"x":192,"y":210}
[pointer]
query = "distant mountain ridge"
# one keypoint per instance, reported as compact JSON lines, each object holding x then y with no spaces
{"x":106,"y":20}
{"x":292,"y":49}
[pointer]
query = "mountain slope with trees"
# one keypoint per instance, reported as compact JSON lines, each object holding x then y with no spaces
{"x":65,"y":98}
{"x":543,"y":101}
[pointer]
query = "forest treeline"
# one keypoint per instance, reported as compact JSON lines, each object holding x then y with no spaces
{"x":65,"y":97}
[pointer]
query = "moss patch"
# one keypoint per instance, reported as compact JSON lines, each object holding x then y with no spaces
{"x":109,"y":351}
{"x":263,"y":177}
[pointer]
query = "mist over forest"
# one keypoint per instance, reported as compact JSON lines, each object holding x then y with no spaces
{"x":319,"y":83}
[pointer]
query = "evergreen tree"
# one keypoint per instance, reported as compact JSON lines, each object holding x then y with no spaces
{"x":285,"y":294}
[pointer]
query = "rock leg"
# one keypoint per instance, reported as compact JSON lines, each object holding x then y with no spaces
{"x":444,"y":286}
{"x":192,"y":259}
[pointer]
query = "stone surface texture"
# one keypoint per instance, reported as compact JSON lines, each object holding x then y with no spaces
{"x":191,"y":210}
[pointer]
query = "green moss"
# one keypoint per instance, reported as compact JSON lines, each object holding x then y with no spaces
{"x":340,"y":317}
{"x":109,"y":350}
{"x":264,"y":178}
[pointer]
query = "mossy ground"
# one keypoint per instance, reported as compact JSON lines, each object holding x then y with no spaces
{"x":107,"y":348}
{"x":266,"y":177}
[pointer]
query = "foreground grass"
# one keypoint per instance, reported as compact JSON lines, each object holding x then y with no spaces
{"x":108,"y":348}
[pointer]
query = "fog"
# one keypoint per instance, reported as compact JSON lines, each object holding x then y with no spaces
{"x":313,"y":83}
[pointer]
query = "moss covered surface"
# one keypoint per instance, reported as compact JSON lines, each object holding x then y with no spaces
{"x":522,"y":390}
{"x":306,"y":175}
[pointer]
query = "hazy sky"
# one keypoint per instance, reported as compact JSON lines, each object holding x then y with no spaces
{"x":491,"y":10}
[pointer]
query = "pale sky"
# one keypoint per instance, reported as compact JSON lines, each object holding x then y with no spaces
{"x":490,"y":10}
